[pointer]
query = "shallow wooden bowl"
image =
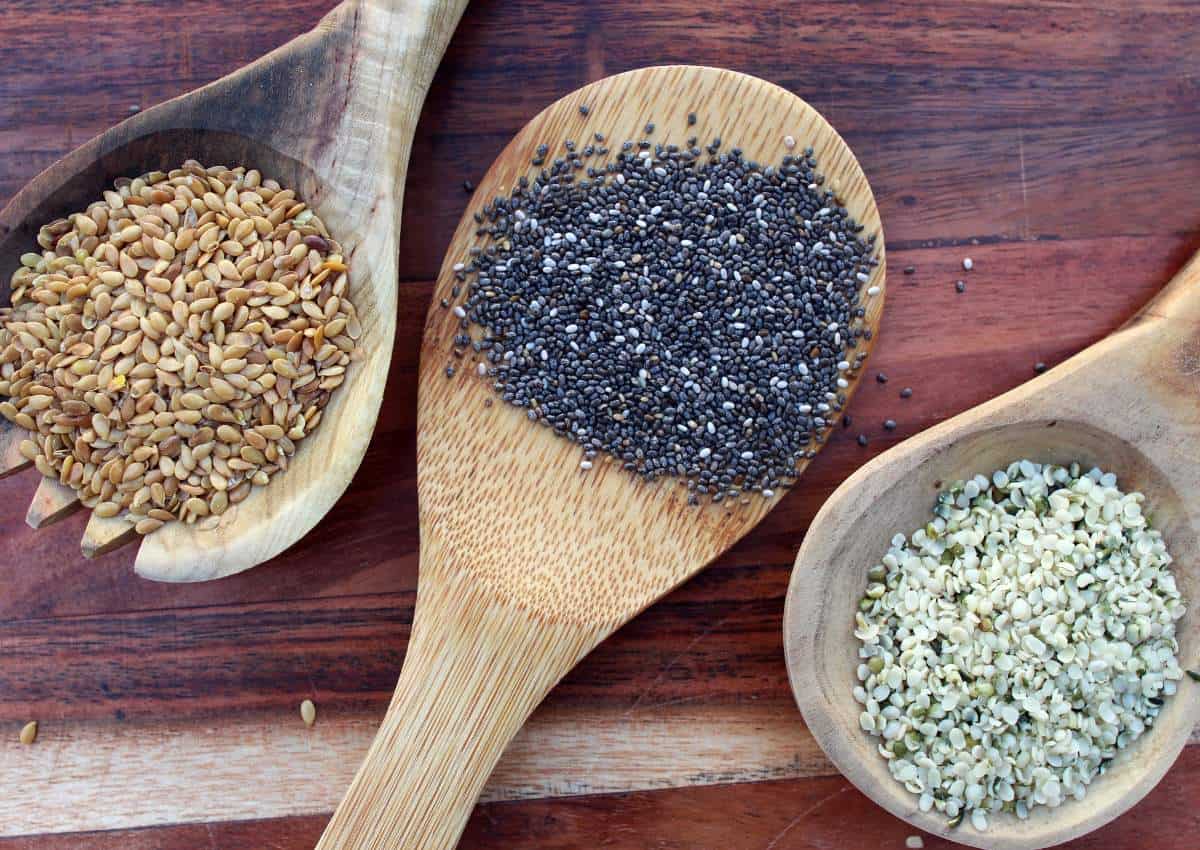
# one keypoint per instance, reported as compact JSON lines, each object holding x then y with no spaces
{"x":1128,"y":405}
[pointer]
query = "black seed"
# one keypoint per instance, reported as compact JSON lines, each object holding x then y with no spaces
{"x":906,"y":392}
{"x":1039,"y":367}
{"x":882,"y":378}
{"x":691,"y":118}
{"x":583,"y":109}
{"x":846,"y":420}
{"x":670,"y":310}
{"x":910,"y":269}
{"x":862,"y":439}
{"x":960,"y":286}
{"x":889,"y":424}
{"x":468,"y":185}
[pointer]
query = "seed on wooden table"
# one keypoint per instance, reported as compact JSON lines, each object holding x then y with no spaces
{"x":29,"y":732}
{"x":308,"y":712}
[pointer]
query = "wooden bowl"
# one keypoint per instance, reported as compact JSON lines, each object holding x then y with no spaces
{"x":1127,"y":405}
{"x":331,"y":114}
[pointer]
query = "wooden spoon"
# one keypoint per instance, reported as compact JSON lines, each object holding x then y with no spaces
{"x":332,"y":115}
{"x":526,"y":564}
{"x":1128,"y":405}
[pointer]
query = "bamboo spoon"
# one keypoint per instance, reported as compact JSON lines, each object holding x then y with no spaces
{"x":332,"y":115}
{"x":1127,"y":405}
{"x":525,"y":563}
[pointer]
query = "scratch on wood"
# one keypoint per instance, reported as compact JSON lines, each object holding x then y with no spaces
{"x":796,"y":820}
{"x":1025,"y":232}
{"x":691,"y":645}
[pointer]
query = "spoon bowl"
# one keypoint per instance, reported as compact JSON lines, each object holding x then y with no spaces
{"x":526,"y":563}
{"x":331,"y":115}
{"x":1126,"y":405}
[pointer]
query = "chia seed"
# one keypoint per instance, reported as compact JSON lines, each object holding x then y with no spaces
{"x":862,"y":439}
{"x":691,"y":317}
{"x":1039,"y":367}
{"x":881,"y":378}
{"x":960,"y":286}
{"x":889,"y":424}
{"x":906,"y":392}
{"x":910,"y":269}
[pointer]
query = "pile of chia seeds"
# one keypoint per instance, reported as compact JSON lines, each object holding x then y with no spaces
{"x":686,"y":311}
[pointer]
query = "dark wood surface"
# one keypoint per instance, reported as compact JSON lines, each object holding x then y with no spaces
{"x":1057,"y":144}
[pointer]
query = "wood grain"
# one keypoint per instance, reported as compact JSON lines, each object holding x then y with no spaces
{"x":1060,"y":137}
{"x":782,"y":815}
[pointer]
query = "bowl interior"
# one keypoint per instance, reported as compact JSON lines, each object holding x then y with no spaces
{"x":823,"y":654}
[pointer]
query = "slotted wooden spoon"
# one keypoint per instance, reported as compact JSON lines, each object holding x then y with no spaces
{"x":527,"y":564}
{"x":331,"y":114}
{"x":1128,"y":405}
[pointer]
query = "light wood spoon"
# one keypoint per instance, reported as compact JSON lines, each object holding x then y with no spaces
{"x":526,"y":564}
{"x":331,"y":114}
{"x":1128,"y":405}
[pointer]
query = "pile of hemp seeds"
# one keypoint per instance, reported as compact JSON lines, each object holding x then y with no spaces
{"x":686,"y":311}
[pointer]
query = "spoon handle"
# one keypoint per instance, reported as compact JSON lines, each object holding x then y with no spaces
{"x":474,"y":671}
{"x":1179,"y":299}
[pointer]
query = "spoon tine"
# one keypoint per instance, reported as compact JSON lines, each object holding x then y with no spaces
{"x":11,"y":459}
{"x":105,"y":534}
{"x":51,"y":502}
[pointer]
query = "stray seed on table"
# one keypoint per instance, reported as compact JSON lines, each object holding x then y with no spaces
{"x":968,"y":263}
{"x":691,"y":118}
{"x":1039,"y":367}
{"x":889,"y":424}
{"x":906,"y":392}
{"x":881,"y":377}
{"x":960,"y":286}
{"x":468,"y":186}
{"x":649,"y":129}
{"x":914,"y":842}
{"x":846,"y":420}
{"x":789,"y":142}
{"x":29,"y":732}
{"x":862,"y":439}
{"x":910,"y":269}
{"x":583,"y":109}
{"x":308,"y":712}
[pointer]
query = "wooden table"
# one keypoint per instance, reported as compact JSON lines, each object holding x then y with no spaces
{"x":1057,"y":144}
